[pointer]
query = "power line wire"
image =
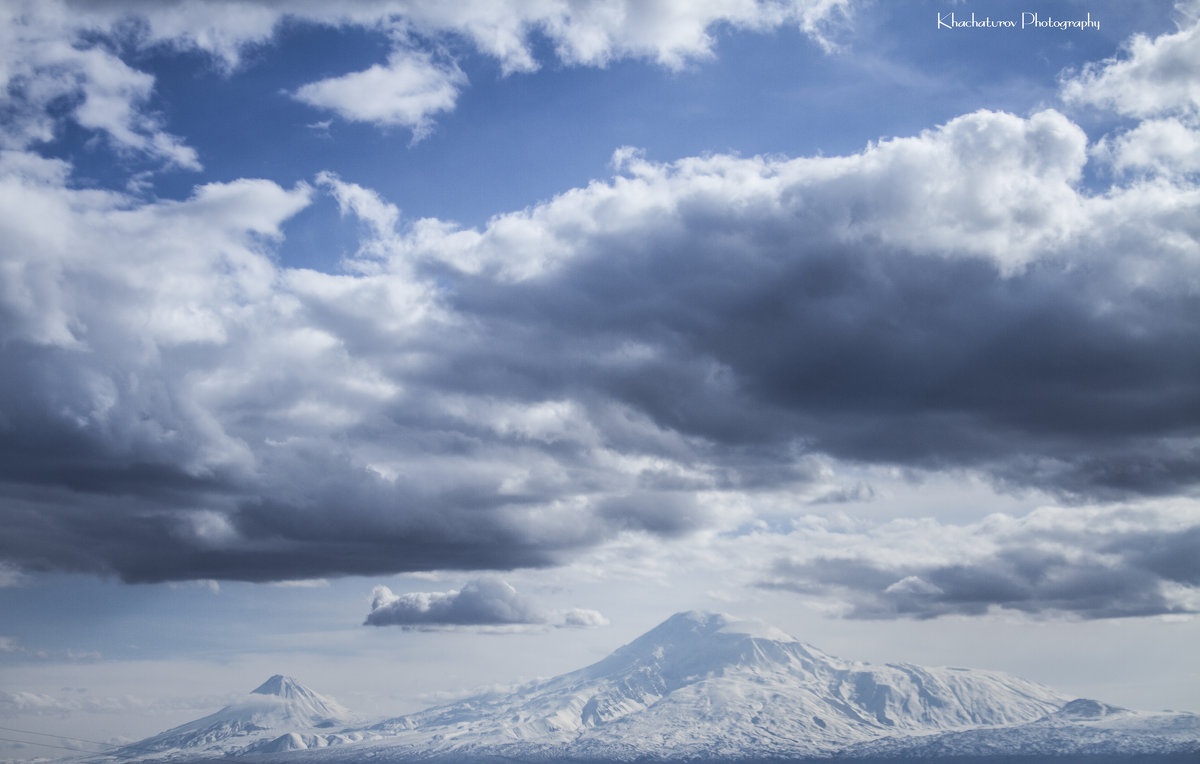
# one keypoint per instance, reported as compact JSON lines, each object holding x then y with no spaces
{"x":61,"y":737}
{"x":115,"y":749}
{"x":44,"y":745}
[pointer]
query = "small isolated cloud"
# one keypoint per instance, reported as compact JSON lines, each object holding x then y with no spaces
{"x":1085,"y":562}
{"x":482,"y":602}
{"x":583,"y":619}
{"x":407,"y":91}
{"x":321,"y":128}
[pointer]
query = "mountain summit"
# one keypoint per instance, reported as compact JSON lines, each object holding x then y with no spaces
{"x":283,"y":686}
{"x":301,"y":704}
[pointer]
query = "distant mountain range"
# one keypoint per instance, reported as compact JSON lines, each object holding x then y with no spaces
{"x":700,"y":686}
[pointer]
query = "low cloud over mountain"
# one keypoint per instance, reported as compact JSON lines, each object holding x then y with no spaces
{"x":486,"y":601}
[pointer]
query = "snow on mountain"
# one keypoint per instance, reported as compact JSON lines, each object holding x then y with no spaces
{"x":1081,"y":728}
{"x":707,"y":685}
{"x":700,"y":686}
{"x":279,"y":706}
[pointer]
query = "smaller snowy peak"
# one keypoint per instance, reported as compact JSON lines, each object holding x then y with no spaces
{"x":280,"y":705}
{"x":295,"y":703}
{"x":300,"y":701}
{"x":283,"y":686}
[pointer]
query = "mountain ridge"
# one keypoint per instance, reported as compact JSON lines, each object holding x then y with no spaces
{"x":702,"y":686}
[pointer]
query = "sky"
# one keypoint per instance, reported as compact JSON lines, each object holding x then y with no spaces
{"x":411,"y":348}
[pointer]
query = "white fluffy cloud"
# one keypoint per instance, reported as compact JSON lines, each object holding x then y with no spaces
{"x":592,"y":32}
{"x":1159,"y":146}
{"x":482,"y":602}
{"x":40,"y":65}
{"x":407,"y":92}
{"x":1156,"y":81}
{"x":1155,"y":76}
{"x":671,"y":32}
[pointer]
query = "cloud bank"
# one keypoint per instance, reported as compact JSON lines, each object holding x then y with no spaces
{"x":1090,"y":563}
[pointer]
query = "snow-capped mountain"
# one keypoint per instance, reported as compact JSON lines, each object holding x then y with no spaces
{"x":706,"y":685}
{"x":279,"y":706}
{"x":701,"y":686}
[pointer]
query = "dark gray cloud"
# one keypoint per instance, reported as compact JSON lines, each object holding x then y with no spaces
{"x":1112,"y":564}
{"x":486,"y":601}
{"x":882,"y":356}
{"x":179,"y":406}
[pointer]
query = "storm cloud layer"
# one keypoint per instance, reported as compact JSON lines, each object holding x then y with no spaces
{"x":179,"y":404}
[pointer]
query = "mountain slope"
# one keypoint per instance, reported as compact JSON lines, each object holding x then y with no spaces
{"x":1081,"y":728}
{"x":704,"y":684}
{"x":279,"y":705}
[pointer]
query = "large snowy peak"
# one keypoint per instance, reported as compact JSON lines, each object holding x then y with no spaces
{"x":692,"y":645}
{"x":706,"y":684}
